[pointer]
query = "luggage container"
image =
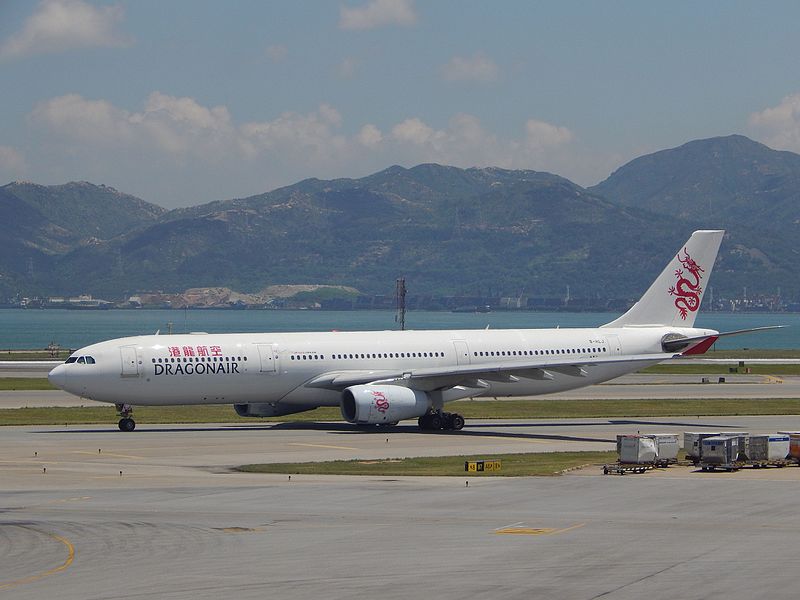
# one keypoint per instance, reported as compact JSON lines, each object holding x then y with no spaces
{"x":667,"y":447}
{"x":637,"y":449}
{"x":768,"y":450}
{"x":719,"y":452}
{"x":794,"y":447}
{"x":692,"y":443}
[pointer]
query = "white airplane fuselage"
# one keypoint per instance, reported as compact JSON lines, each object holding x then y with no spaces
{"x":255,"y":368}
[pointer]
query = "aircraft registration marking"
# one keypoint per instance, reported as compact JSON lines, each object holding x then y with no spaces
{"x":322,"y":446}
{"x":65,"y":565}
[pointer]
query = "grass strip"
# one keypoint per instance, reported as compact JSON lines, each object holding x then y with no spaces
{"x":675,"y":368}
{"x":13,"y":384}
{"x":513,"y":465}
{"x":746,"y":353}
{"x":34,"y":355}
{"x":471,"y":409}
{"x":159,"y":415}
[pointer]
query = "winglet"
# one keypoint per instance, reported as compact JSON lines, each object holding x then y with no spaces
{"x":675,"y":296}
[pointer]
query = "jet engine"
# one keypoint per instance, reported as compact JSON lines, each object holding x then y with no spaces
{"x":378,"y":404}
{"x":269,"y":409}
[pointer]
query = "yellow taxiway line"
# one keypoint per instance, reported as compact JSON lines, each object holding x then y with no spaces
{"x":520,"y":529}
{"x":65,"y":565}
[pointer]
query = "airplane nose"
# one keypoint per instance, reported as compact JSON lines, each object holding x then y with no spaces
{"x":58,"y":376}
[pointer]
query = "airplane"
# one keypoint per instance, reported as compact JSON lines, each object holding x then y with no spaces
{"x":383,"y":377}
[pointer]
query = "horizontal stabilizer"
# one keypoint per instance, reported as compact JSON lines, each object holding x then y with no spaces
{"x":699,"y":344}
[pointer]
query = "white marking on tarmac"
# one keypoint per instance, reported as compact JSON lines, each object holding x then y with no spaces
{"x":102,"y":454}
{"x":322,"y":446}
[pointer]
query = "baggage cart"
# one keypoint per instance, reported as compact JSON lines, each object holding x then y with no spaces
{"x":667,"y":447}
{"x":768,"y":450}
{"x":794,"y":445}
{"x":637,"y":449}
{"x":623,"y":468}
{"x":692,"y":441}
{"x":720,"y":452}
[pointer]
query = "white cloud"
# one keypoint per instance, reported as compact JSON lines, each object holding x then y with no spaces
{"x":59,"y":25}
{"x":465,"y":143}
{"x":277,"y":52}
{"x":346,"y":69}
{"x":378,"y":13}
{"x":369,"y":136}
{"x":779,"y":127}
{"x":182,"y":128}
{"x":414,"y":131}
{"x":539,"y":134}
{"x":12,"y":163}
{"x":177,"y":126}
{"x":177,"y":138}
{"x":478,"y":68}
{"x":88,"y":121}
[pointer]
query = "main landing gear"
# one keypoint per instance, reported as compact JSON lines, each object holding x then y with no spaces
{"x":126,"y":423}
{"x":434,"y":421}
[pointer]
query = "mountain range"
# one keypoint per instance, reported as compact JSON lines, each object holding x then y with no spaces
{"x":447,"y":230}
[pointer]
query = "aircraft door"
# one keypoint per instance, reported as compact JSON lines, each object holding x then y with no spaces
{"x":269,"y":358}
{"x":462,"y":352}
{"x":614,"y":346}
{"x":130,"y":361}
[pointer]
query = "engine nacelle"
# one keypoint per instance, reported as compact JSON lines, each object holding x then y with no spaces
{"x":269,"y":409}
{"x":376,"y":404}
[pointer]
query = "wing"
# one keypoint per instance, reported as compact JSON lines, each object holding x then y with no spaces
{"x":473,"y":375}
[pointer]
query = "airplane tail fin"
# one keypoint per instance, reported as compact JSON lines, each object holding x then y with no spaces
{"x":676,"y":294}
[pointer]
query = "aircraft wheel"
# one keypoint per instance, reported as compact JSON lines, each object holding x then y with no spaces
{"x":127,"y":424}
{"x":458,"y":422}
{"x":435,"y":422}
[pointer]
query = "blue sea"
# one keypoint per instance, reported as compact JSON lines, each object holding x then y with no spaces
{"x":28,"y":329}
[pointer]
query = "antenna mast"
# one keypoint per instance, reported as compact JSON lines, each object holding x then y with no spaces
{"x":400,"y":302}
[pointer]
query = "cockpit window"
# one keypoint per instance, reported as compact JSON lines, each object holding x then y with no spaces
{"x":81,"y":360}
{"x":71,"y":359}
{"x":90,"y":360}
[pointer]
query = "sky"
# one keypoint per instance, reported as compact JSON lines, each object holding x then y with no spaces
{"x":183,"y":102}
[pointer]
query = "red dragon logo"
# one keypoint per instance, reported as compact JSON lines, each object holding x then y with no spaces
{"x":381,"y":403}
{"x":687,"y":289}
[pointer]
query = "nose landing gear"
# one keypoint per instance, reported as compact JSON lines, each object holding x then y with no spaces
{"x":126,"y":423}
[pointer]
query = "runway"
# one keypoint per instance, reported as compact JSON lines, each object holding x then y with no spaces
{"x":177,"y":523}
